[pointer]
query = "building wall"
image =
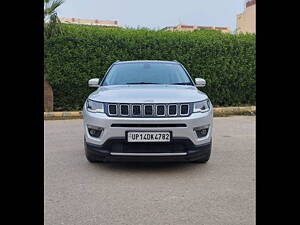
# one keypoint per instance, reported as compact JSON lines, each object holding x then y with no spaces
{"x":182,"y":27}
{"x":89,"y":22}
{"x":246,"y":21}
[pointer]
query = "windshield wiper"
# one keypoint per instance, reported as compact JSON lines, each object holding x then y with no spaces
{"x":183,"y":83}
{"x":142,"y":83}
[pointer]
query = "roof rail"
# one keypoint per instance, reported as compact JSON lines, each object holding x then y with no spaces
{"x":175,"y":61}
{"x":117,"y":61}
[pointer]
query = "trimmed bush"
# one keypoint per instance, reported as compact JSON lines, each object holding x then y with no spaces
{"x":225,"y":61}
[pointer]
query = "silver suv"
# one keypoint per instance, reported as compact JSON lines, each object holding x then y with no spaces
{"x":147,"y":111}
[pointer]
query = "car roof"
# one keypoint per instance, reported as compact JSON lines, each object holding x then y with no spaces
{"x":146,"y":61}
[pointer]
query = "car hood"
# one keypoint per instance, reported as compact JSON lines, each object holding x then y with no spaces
{"x":147,"y":93}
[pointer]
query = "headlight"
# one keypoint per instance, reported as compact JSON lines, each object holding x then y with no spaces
{"x":93,"y":106}
{"x":202,"y":106}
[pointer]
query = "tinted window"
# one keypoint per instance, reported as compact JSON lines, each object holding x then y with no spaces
{"x":145,"y":72}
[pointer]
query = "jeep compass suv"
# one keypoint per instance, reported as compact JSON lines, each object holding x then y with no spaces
{"x":147,"y":111}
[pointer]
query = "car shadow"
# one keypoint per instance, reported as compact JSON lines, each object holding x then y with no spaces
{"x":137,"y":167}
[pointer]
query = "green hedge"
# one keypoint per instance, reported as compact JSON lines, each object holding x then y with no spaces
{"x":225,"y":61}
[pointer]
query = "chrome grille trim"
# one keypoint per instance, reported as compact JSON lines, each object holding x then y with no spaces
{"x":188,"y":110}
{"x":154,"y":108}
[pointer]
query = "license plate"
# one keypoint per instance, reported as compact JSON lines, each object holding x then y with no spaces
{"x":148,"y":136}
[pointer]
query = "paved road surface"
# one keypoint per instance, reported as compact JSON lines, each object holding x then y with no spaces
{"x":221,"y":192}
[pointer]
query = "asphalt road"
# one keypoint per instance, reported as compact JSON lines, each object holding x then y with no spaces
{"x":221,"y":192}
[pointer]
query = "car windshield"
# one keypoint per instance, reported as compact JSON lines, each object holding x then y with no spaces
{"x":147,"y":73}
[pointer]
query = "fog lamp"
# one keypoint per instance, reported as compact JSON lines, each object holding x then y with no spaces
{"x":201,"y":131}
{"x":94,"y":131}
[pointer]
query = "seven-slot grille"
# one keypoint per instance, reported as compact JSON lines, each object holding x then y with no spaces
{"x":148,"y":110}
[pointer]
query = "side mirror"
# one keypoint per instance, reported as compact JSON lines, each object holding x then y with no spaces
{"x":94,"y":82}
{"x":200,"y":82}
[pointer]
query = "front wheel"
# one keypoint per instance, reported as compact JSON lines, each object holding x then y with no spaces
{"x":90,"y":157}
{"x":205,"y":158}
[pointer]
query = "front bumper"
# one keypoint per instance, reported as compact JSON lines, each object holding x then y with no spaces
{"x":191,"y":153}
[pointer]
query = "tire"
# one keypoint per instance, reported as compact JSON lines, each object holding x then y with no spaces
{"x":90,"y":157}
{"x":204,"y":159}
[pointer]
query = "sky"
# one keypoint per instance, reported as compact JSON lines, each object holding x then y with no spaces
{"x":156,"y":14}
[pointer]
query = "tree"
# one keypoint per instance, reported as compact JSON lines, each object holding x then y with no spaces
{"x":51,"y":19}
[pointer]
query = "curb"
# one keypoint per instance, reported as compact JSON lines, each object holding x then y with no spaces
{"x":231,"y":111}
{"x":218,"y":112}
{"x":62,"y":115}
